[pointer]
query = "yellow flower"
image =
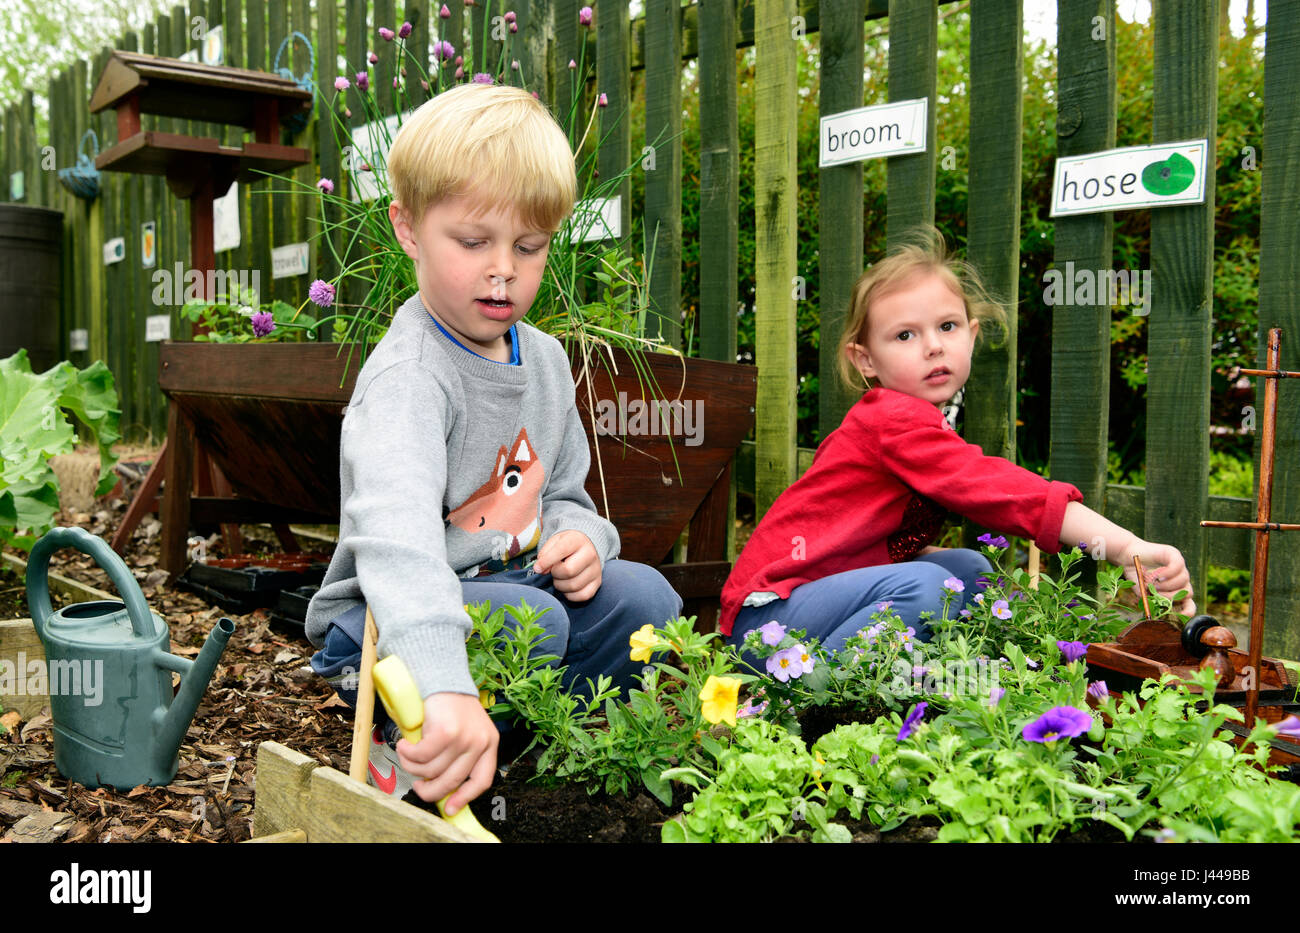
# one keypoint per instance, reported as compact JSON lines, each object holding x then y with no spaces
{"x":643,"y":641}
{"x":719,"y":697}
{"x":487,"y":698}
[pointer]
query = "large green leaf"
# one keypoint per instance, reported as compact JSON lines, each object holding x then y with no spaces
{"x":34,"y":428}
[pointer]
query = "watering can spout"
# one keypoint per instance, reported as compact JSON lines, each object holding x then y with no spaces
{"x":194,"y":681}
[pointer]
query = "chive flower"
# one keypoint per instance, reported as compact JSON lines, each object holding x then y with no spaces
{"x":363,"y":81}
{"x":341,"y":83}
{"x":372,"y":58}
{"x":483,"y":78}
{"x":444,"y":13}
{"x":510,"y":16}
{"x":584,"y":16}
{"x":321,"y":292}
{"x":602,"y":100}
{"x":404,"y":31}
{"x":386,"y":34}
{"x":325,"y":185}
{"x":263,"y":323}
{"x":1059,"y":722}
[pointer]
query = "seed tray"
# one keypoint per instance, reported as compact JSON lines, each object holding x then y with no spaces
{"x":242,"y":575}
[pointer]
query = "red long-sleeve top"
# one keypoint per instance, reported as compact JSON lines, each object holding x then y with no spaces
{"x":878,"y":491}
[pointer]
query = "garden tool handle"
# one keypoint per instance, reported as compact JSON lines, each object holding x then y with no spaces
{"x":396,"y":687}
{"x":38,"y":587}
{"x":1142,"y":586}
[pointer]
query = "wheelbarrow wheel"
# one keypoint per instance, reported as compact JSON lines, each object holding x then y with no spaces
{"x":1192,"y":633}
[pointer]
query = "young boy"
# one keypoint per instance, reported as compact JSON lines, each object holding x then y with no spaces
{"x":462,"y":457}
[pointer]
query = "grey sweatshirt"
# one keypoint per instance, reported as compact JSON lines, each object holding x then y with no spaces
{"x":450,"y":464}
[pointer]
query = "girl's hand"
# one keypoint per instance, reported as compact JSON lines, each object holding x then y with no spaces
{"x":1164,"y":567}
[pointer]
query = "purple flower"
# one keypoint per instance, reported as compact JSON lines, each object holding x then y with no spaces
{"x":263,"y":323}
{"x":881,"y":607}
{"x":995,"y":695}
{"x":386,"y":34}
{"x":341,"y":83}
{"x":910,"y":722}
{"x":510,"y":16}
{"x":1289,"y":727}
{"x":372,"y":58}
{"x":965,"y":613}
{"x":404,"y":31}
{"x":874,"y":759}
{"x":602,"y":101}
{"x":786,"y":664}
{"x":325,"y":185}
{"x":1002,"y":609}
{"x":572,"y":64}
{"x":1059,"y":722}
{"x":483,"y":78}
{"x":953,"y":585}
{"x":460,"y":73}
{"x":1033,"y":665}
{"x":998,"y":542}
{"x":979,"y":599}
{"x":1072,"y":651}
{"x":363,"y":81}
{"x":514,"y":27}
{"x":1098,"y":691}
{"x":772,"y":632}
{"x":444,"y":13}
{"x":321,"y":292}
{"x":749,"y":709}
{"x":584,"y":16}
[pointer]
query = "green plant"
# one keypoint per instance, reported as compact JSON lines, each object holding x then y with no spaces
{"x":665,"y":722}
{"x":229,"y":319}
{"x":34,"y":427}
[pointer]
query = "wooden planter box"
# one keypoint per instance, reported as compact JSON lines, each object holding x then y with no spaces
{"x":270,"y":415}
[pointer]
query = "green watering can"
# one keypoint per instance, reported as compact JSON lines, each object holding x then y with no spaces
{"x":109,"y":673}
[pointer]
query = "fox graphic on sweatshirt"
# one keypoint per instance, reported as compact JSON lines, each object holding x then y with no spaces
{"x":508,"y":507}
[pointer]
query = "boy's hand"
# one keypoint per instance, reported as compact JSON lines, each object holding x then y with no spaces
{"x":571,"y":560}
{"x":1164,"y":567}
{"x":459,"y":741}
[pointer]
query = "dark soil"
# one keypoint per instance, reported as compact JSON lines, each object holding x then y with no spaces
{"x":13,"y":595}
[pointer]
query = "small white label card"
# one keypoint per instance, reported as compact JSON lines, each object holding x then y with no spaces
{"x":114,"y":250}
{"x":597,"y":219}
{"x":157,"y":327}
{"x":1123,"y":179}
{"x":874,"y":132}
{"x":79,"y":339}
{"x":288,"y":261}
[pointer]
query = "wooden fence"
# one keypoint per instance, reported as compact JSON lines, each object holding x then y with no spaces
{"x":112,"y":301}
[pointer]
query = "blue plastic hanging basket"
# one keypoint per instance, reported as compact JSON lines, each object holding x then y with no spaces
{"x":298,"y":122}
{"x":82,"y":179}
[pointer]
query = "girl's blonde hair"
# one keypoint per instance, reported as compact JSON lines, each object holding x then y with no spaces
{"x":495,"y":144}
{"x":924,"y":251}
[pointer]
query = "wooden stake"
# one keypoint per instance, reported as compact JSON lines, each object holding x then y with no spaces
{"x":1035,"y":563}
{"x":365,"y":702}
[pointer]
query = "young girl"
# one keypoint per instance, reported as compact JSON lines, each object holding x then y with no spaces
{"x":853,"y":531}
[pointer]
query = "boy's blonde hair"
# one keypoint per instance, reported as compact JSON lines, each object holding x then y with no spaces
{"x":924,"y":251}
{"x":497,"y":145}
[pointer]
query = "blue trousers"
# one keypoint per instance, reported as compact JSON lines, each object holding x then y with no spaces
{"x":591,"y":637}
{"x":835,"y":608}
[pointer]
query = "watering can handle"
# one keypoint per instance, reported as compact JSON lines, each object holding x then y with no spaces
{"x":38,"y":588}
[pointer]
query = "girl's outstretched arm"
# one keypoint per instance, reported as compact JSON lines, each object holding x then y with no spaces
{"x":1163,"y":563}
